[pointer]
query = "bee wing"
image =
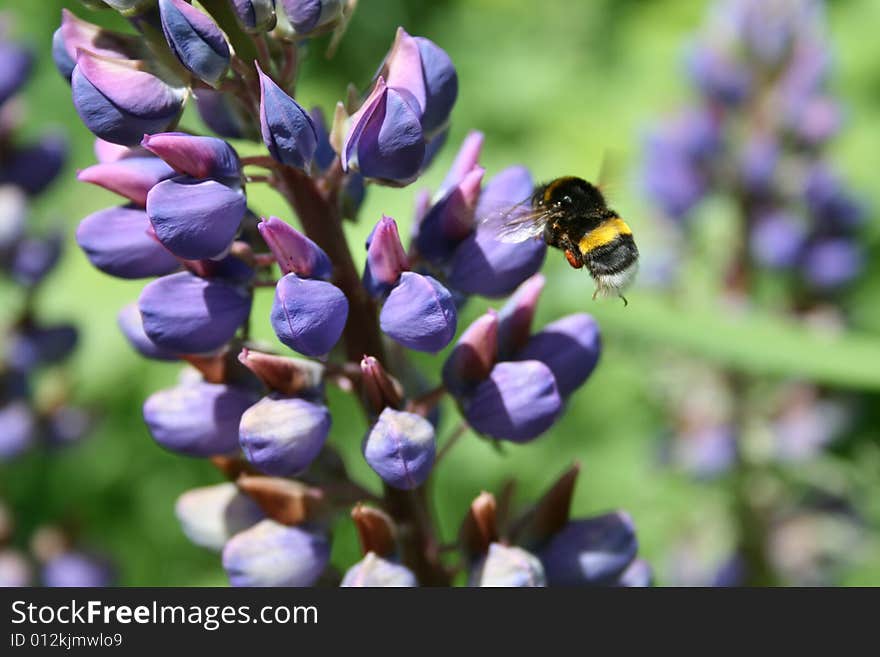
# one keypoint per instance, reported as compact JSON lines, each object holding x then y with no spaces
{"x":610,"y":174}
{"x":517,"y":223}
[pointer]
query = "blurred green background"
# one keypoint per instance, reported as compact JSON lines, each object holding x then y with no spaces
{"x":553,"y":85}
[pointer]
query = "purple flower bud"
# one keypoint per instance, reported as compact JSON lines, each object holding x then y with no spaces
{"x":719,"y":76}
{"x":515,"y":317}
{"x":197,"y":419}
{"x":466,"y":160}
{"x":400,"y":448}
{"x":705,"y":450}
{"x":816,"y":121}
{"x":374,"y":571}
{"x":225,"y":114}
{"x":17,"y":429}
{"x":508,"y":566}
{"x":777,"y":239}
{"x":17,"y":63}
{"x":15,"y":570}
{"x":77,"y":34}
{"x":474,"y":355}
{"x":384,"y":139}
{"x":32,"y":167}
{"x":195,"y":40}
{"x":129,"y":320}
{"x":518,"y":402}
{"x":281,"y":436}
{"x":419,"y":313}
{"x":117,"y":242}
{"x":386,"y":259}
{"x":306,"y":16}
{"x":255,"y":15}
{"x":77,"y":569}
{"x":35,"y":258}
{"x":831,"y":263}
{"x":829,"y":201}
{"x":324,"y":153}
{"x":637,"y":575}
{"x":33,"y":345}
{"x":287,"y":128}
{"x":187,"y":314}
{"x":13,"y":212}
{"x":570,"y":347}
{"x":758,"y":162}
{"x":120,"y":101}
{"x":591,"y":551}
{"x":271,"y":554}
{"x":131,"y":177}
{"x":451,"y":219}
{"x":195,"y":219}
{"x":294,"y":252}
{"x":199,"y":157}
{"x":211,"y":515}
{"x":419,"y":66}
{"x":308,"y":315}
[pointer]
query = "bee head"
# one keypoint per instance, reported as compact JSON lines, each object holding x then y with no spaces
{"x":571,"y":194}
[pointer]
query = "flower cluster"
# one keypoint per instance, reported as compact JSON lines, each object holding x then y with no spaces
{"x":263,"y":416}
{"x":30,"y":344}
{"x":52,"y":559}
{"x":757,"y":139}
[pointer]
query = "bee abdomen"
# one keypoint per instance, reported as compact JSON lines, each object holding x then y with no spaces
{"x":612,"y":257}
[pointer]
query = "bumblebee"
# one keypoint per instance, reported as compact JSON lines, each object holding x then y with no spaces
{"x":571,"y":214}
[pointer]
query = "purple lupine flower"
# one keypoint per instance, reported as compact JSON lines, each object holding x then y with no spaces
{"x":17,"y":64}
{"x":591,"y":551}
{"x":33,"y":166}
{"x":287,"y":129}
{"x":374,"y":571}
{"x":195,"y":40}
{"x":121,"y":100}
{"x":195,"y":219}
{"x":281,"y":435}
{"x":271,"y":554}
{"x":777,"y":239}
{"x":419,"y":66}
{"x":508,"y":566}
{"x":308,"y":315}
{"x":198,"y":157}
{"x":386,"y":258}
{"x":570,"y":347}
{"x":451,"y":219}
{"x":34,"y":258}
{"x":516,"y":316}
{"x":76,"y":34}
{"x":517,"y":402}
{"x":198,"y":419}
{"x":77,"y":569}
{"x":637,"y":575}
{"x":18,"y":428}
{"x":308,"y":16}
{"x":131,"y":177}
{"x":719,"y":75}
{"x":384,"y":140}
{"x":829,"y":201}
{"x":831,"y":263}
{"x":15,"y":570}
{"x":400,"y":447}
{"x":35,"y":345}
{"x":474,"y":355}
{"x":255,"y":15}
{"x":324,"y":153}
{"x":211,"y":515}
{"x":419,"y":313}
{"x":294,"y":252}
{"x":118,"y":242}
{"x":132,"y":327}
{"x":758,"y":163}
{"x":706,"y":450}
{"x":224,"y":114}
{"x":187,"y":314}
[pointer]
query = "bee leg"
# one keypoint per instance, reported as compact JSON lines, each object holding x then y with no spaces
{"x":573,"y":259}
{"x":625,"y":302}
{"x":595,"y":292}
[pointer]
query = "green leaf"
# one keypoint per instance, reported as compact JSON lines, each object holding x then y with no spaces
{"x":749,"y":341}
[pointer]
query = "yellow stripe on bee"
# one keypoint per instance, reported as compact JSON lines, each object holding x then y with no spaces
{"x":604,"y":233}
{"x":553,"y":186}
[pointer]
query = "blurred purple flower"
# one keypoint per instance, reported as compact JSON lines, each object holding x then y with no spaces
{"x":77,"y":569}
{"x":198,"y":419}
{"x":374,"y":571}
{"x":777,"y":239}
{"x":271,"y":554}
{"x":211,"y":515}
{"x":508,"y":566}
{"x":132,"y":327}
